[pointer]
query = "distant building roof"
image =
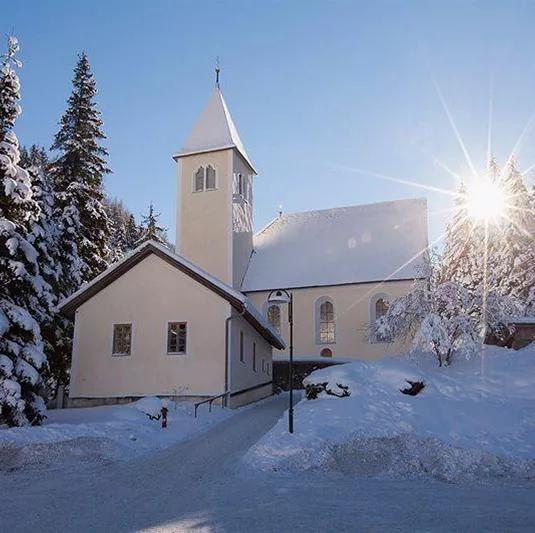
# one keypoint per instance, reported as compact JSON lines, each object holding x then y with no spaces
{"x":357,"y":244}
{"x":240,"y":302}
{"x":213,"y":130}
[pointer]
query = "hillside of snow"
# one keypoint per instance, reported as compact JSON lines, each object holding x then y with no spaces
{"x":473,"y":421}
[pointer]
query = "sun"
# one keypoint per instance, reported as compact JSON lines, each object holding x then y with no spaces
{"x":486,"y":201}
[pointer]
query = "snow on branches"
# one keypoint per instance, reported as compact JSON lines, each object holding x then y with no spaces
{"x":22,"y":287}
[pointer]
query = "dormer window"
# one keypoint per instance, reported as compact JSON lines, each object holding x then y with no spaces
{"x":204,"y":179}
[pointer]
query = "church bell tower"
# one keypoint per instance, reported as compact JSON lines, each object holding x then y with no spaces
{"x":215,"y":195}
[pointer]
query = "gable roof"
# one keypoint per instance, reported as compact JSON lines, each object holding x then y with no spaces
{"x":356,"y":244}
{"x":238,"y":301}
{"x":213,"y":130}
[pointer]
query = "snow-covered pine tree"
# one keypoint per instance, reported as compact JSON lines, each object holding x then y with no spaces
{"x":517,"y":246}
{"x":457,"y":304}
{"x":78,"y":175}
{"x":150,"y":230}
{"x":461,"y":259}
{"x":43,"y":234}
{"x":117,"y":242}
{"x":22,"y":360}
{"x":125,"y":232}
{"x":42,"y":231}
{"x":133,"y":233}
{"x":530,"y":297}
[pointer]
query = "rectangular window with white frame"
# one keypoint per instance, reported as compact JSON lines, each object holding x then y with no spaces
{"x":177,"y":338}
{"x":122,"y":339}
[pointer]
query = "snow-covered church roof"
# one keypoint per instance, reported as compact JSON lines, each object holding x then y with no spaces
{"x":356,"y":244}
{"x":214,"y":130}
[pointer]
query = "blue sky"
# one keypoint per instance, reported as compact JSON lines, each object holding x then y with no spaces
{"x":324,"y":94}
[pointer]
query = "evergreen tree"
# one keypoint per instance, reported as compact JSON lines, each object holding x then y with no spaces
{"x":133,"y":233}
{"x":466,"y":296}
{"x":43,"y":234}
{"x":78,"y":174}
{"x":517,"y":246}
{"x":460,"y":259}
{"x":22,"y":360}
{"x":125,"y":232}
{"x":150,"y":230}
{"x":117,"y":242}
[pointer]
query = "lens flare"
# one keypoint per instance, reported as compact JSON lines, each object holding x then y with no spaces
{"x":486,"y":201}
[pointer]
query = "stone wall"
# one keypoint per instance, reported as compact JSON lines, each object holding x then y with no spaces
{"x":301,"y":369}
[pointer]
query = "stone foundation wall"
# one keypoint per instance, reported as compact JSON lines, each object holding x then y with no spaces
{"x":251,"y":396}
{"x":301,"y":369}
{"x":95,"y":402}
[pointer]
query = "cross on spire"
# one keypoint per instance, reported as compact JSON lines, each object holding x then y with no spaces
{"x":217,"y":71}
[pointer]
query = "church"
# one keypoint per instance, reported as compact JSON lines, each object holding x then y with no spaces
{"x":208,"y":319}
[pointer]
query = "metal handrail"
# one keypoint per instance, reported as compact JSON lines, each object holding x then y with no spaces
{"x":209,"y":402}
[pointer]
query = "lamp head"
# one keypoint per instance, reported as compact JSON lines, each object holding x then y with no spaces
{"x":279,"y":297}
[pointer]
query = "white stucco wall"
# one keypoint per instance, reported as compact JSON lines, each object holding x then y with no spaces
{"x":150,"y":295}
{"x":243,"y":374}
{"x":352,"y":305}
{"x":204,"y":220}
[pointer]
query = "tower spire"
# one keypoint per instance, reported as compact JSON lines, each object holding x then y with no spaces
{"x":217,"y":70}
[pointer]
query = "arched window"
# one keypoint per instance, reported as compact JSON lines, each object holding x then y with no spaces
{"x":325,"y":321}
{"x":204,"y":179}
{"x":326,"y":352}
{"x":378,"y":308}
{"x":210,"y":177}
{"x":274,"y":317}
{"x":199,"y":179}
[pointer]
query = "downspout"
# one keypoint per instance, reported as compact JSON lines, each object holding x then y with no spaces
{"x":228,"y":359}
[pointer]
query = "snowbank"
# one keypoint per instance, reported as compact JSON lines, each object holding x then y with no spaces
{"x":102,"y":433}
{"x":473,"y":421}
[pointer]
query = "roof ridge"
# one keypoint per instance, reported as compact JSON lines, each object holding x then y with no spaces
{"x":354,"y":206}
{"x":267,"y":226}
{"x":228,"y":118}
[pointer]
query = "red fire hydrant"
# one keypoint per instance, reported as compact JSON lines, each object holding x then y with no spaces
{"x":164,"y":417}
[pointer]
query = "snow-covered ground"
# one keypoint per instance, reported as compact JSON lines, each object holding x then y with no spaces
{"x":473,"y":421}
{"x":202,"y":485}
{"x":102,"y":433}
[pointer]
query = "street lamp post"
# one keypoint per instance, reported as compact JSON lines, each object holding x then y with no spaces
{"x":281,"y":296}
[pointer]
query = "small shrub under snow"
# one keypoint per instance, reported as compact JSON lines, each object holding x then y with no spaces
{"x":150,"y":406}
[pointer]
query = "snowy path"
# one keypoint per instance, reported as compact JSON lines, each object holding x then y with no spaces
{"x":199,"y":486}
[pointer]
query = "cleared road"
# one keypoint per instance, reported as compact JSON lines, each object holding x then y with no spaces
{"x":201,"y":485}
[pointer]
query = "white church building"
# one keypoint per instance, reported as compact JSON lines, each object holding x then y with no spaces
{"x":197,"y":322}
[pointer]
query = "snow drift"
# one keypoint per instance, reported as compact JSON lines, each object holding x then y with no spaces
{"x":473,"y":421}
{"x":106,"y":433}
